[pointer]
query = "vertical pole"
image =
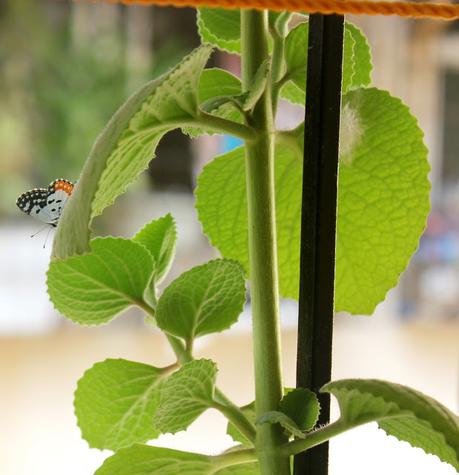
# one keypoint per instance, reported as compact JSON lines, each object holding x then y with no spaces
{"x":318,"y":220}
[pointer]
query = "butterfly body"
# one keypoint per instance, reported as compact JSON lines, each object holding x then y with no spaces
{"x":46,"y":204}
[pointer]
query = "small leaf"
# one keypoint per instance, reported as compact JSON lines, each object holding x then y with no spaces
{"x":356,"y":61}
{"x":115,"y":401}
{"x":219,"y":91}
{"x":348,"y":63}
{"x":206,"y":299}
{"x":216,"y":82}
{"x":126,"y":146}
{"x":159,"y":237}
{"x":400,"y":411}
{"x":186,"y":395}
{"x":258,"y":86}
{"x":148,"y":460}
{"x":277,"y":417}
{"x":93,"y":288}
{"x":233,"y":431}
{"x":302,"y":406}
{"x":221,"y":28}
{"x":362,"y":64}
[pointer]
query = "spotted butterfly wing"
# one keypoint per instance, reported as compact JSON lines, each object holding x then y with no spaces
{"x":46,"y":204}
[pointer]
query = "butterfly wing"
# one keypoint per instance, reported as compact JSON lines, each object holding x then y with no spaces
{"x":46,"y":204}
{"x":33,"y":201}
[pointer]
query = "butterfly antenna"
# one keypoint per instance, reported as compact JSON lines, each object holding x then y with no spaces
{"x":46,"y":240}
{"x":39,"y":231}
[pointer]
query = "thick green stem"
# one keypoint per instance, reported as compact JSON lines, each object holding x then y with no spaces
{"x":262,"y":248}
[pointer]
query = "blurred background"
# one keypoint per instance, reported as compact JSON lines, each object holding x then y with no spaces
{"x":64,"y":69}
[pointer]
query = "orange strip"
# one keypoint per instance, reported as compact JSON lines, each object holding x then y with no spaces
{"x":404,"y":9}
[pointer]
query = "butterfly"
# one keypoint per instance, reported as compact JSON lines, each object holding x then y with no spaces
{"x":46,"y":204}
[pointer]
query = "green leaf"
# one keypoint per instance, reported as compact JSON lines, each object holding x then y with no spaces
{"x":221,"y":28}
{"x":362,"y":64}
{"x":148,"y":460}
{"x":258,"y":86}
{"x":233,"y":431}
{"x":302,"y":406}
{"x":115,"y":401}
{"x":159,"y":237}
{"x":205,"y":299}
{"x":348,"y":66}
{"x":383,"y":198}
{"x":356,"y":61}
{"x":382,"y":206}
{"x":126,"y":146}
{"x":216,"y":82}
{"x":240,"y":469}
{"x":402,"y":412}
{"x":222,"y":207}
{"x":277,"y":417}
{"x":93,"y":288}
{"x":186,"y":395}
{"x":219,"y":92}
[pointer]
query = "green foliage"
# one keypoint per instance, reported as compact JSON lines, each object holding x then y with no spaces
{"x":298,"y":413}
{"x":302,"y":406}
{"x":400,"y":411}
{"x":186,"y":395}
{"x":126,"y":146}
{"x":382,"y":136}
{"x":93,"y":288}
{"x":115,"y":402}
{"x":147,"y":460}
{"x":143,"y":459}
{"x":383,"y":204}
{"x":225,"y":221}
{"x":277,"y":417}
{"x":159,"y":237}
{"x":383,"y":199}
{"x":356,"y":61}
{"x":206,"y":299}
{"x":221,"y":28}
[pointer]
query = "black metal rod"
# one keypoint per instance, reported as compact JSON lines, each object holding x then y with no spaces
{"x":318,"y":220}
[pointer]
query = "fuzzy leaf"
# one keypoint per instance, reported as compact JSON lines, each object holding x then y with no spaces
{"x":218,"y":92}
{"x":126,"y":146}
{"x":402,"y":412}
{"x":382,"y":207}
{"x":383,"y":199}
{"x":277,"y":417}
{"x":205,"y":299}
{"x":148,"y":460}
{"x":302,"y":406}
{"x":356,"y":61}
{"x":221,"y":28}
{"x":186,"y":395}
{"x":93,"y":288}
{"x":225,"y":220}
{"x":362,"y":64}
{"x":159,"y":237}
{"x":115,"y":401}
